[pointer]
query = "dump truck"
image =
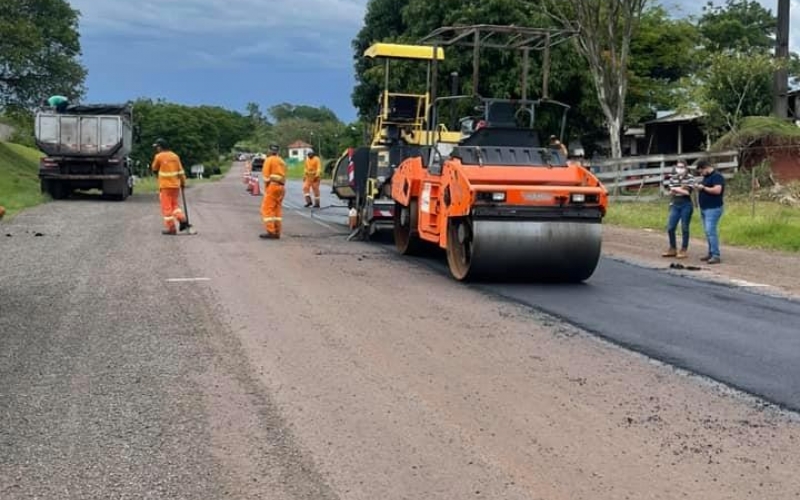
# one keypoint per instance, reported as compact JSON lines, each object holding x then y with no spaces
{"x":86,"y":146}
{"x":362,"y":176}
{"x":500,"y":205}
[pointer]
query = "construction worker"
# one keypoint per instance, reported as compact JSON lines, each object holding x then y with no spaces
{"x":274,"y":172}
{"x":557,"y":145}
{"x":311,"y":178}
{"x":59,"y":102}
{"x":171,"y":179}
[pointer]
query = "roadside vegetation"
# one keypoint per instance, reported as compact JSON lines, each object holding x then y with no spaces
{"x":774,"y":226}
{"x":19,"y":180}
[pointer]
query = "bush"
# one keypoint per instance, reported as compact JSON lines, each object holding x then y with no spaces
{"x":742,"y":181}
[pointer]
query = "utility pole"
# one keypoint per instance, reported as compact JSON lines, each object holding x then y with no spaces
{"x":780,"y":104}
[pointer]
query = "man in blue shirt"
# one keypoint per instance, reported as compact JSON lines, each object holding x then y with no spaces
{"x":710,"y":200}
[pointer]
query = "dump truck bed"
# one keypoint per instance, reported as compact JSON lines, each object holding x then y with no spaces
{"x":85,"y":131}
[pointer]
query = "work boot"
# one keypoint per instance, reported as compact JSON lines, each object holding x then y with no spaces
{"x":269,"y":236}
{"x":169,"y":231}
{"x":670,"y":253}
{"x":681,"y":254}
{"x":183,"y":225}
{"x":308,"y":201}
{"x":714,"y":260}
{"x":316,"y":203}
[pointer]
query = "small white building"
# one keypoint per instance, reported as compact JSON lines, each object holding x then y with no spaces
{"x":299,"y":150}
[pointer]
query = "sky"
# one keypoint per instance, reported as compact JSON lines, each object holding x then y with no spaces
{"x":231,"y":52}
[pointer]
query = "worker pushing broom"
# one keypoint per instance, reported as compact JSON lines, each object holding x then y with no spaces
{"x":171,"y":182}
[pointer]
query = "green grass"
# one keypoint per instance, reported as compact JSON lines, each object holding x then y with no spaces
{"x":150,"y":184}
{"x":774,"y":226}
{"x":295,"y":170}
{"x":19,"y":178}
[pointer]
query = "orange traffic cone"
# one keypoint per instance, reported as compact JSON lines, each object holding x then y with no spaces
{"x":352,"y":218}
{"x":256,"y":187}
{"x":249,"y":187}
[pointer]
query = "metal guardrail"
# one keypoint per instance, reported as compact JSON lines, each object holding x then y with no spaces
{"x":620,"y":175}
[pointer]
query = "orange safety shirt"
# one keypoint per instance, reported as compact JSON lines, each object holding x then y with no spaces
{"x":169,"y":168}
{"x":312,"y":167}
{"x":274,"y":170}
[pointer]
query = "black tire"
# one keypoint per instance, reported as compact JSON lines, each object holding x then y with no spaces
{"x":57,"y":190}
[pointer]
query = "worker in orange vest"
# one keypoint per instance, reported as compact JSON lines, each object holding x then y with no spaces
{"x":171,"y":179}
{"x":274,"y":173}
{"x":311,"y":178}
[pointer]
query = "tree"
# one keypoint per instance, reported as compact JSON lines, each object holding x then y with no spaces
{"x":286,"y":111}
{"x":255,"y":115}
{"x":663,"y":52}
{"x":733,"y":86}
{"x":383,"y":22}
{"x":741,"y":25}
{"x":605,"y":29}
{"x":198,"y":134}
{"x":39,"y":51}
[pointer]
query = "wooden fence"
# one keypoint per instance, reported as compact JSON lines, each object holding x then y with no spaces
{"x":625,"y":178}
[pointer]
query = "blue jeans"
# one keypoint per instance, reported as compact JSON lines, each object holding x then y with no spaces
{"x":710,"y":217}
{"x":679,"y":212}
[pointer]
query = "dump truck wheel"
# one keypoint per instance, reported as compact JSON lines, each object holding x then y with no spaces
{"x":57,"y":190}
{"x":406,"y":237}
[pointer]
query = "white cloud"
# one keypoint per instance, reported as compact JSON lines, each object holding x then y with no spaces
{"x":219,"y":32}
{"x":218,"y":16}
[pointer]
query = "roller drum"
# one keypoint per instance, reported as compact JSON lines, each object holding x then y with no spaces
{"x":514,"y":250}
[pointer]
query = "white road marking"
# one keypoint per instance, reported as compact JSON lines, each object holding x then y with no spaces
{"x":182,"y":280}
{"x":747,"y":283}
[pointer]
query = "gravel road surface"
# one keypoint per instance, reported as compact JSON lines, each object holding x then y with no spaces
{"x":136,"y":365}
{"x":732,"y":334}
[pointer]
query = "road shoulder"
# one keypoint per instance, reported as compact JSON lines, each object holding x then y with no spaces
{"x":761,"y":271}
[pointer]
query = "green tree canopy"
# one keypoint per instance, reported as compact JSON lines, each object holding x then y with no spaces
{"x":39,"y":51}
{"x":739,"y":25}
{"x":286,"y":111}
{"x":198,"y":134}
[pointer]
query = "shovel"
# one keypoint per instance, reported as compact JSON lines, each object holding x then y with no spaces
{"x":185,"y":225}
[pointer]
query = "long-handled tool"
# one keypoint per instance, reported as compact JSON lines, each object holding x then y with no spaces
{"x":185,"y":225}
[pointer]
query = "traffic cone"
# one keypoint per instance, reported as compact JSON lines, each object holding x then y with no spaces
{"x":256,"y":187}
{"x":249,"y":187}
{"x":353,"y":218}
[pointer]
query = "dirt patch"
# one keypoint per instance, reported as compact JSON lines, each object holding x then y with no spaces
{"x":762,"y":271}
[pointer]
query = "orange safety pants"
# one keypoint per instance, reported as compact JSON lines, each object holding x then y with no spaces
{"x":170,"y":207}
{"x":309,"y":184}
{"x":272,"y":208}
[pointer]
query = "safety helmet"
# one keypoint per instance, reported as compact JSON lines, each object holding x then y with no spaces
{"x":312,"y":153}
{"x":273,"y":148}
{"x":160,"y":142}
